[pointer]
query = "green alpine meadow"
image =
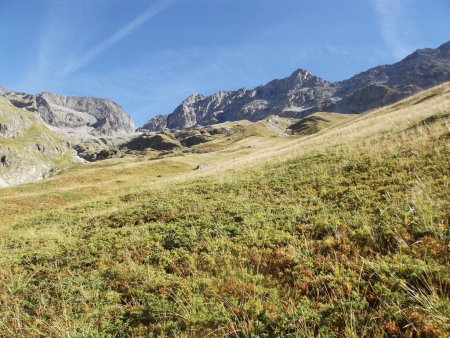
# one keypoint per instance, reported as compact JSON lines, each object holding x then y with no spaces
{"x":343,"y":232}
{"x":226,"y":168}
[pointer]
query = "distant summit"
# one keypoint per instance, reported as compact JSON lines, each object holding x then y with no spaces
{"x":81,"y":117}
{"x":302,"y":93}
{"x":42,"y":134}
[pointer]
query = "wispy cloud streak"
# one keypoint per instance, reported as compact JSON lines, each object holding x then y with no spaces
{"x":122,"y":33}
{"x":391,"y":18}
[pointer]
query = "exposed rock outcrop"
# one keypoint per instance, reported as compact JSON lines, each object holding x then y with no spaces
{"x":157,"y":123}
{"x":100,"y":148}
{"x":290,"y":96}
{"x":93,"y":127}
{"x":80,"y":117}
{"x":302,"y":93}
{"x":382,"y":85}
{"x":29,"y":150}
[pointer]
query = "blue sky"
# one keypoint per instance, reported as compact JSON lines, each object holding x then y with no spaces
{"x":149,"y":55}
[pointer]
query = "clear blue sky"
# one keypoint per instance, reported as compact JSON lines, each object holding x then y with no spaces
{"x":149,"y":55}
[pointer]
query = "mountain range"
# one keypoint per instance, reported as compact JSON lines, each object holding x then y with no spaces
{"x":296,"y":96}
{"x":47,"y":132}
{"x":302,"y":93}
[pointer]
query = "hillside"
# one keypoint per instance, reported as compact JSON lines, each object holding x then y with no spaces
{"x":315,"y":122}
{"x":29,"y":150}
{"x":341,"y":232}
{"x":303,"y":93}
{"x":98,"y":129}
{"x":42,"y":134}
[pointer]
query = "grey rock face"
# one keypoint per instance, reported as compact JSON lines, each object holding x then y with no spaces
{"x":39,"y":133}
{"x":386,"y":84}
{"x":186,"y":113}
{"x":157,"y":123}
{"x":302,"y":94}
{"x":290,"y":96}
{"x":80,"y":116}
{"x":104,"y":116}
{"x":29,"y":150}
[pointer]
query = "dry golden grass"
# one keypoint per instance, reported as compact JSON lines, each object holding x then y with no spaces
{"x":341,"y":233}
{"x":251,"y":145}
{"x":396,"y":117}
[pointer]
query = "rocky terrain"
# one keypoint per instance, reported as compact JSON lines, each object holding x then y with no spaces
{"x":382,"y":85}
{"x":79,"y":117}
{"x":156,"y":123}
{"x":302,"y":93}
{"x":95,"y":129}
{"x":29,"y":150}
{"x":41,"y":134}
{"x":296,"y":95}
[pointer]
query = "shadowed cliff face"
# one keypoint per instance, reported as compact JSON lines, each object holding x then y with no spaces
{"x":302,"y":93}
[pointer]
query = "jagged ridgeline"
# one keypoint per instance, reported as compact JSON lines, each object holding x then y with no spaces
{"x":302,"y":93}
{"x":92,"y":129}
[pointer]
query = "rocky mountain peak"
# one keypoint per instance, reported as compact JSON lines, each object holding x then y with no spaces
{"x":444,"y":49}
{"x":79,"y":116}
{"x":302,"y":93}
{"x":157,"y":123}
{"x":193,"y":98}
{"x":301,"y":75}
{"x":429,"y":54}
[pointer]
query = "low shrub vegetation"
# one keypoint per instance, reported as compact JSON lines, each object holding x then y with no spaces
{"x":348,"y":241}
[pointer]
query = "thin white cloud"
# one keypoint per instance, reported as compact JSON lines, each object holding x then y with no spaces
{"x":122,"y":33}
{"x":394,"y":26}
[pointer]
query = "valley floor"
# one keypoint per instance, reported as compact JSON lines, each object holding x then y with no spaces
{"x":344,"y":232}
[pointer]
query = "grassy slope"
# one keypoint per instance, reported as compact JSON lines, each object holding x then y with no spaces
{"x":344,"y":233}
{"x":113,"y":177}
{"x":32,"y":130}
{"x":316,"y":122}
{"x":31,"y":133}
